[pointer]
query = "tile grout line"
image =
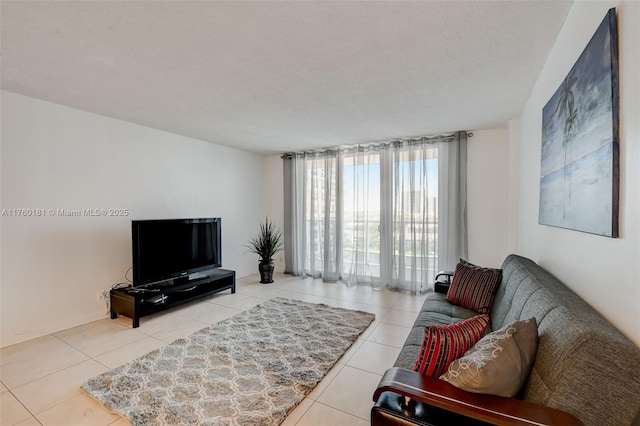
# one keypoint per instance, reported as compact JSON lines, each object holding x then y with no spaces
{"x":25,"y":407}
{"x":56,"y":371}
{"x":342,"y":411}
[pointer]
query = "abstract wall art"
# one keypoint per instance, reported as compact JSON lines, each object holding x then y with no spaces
{"x":579,"y":171}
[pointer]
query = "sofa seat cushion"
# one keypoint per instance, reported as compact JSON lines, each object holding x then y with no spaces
{"x":407,"y":357}
{"x":436,"y":303}
{"x":426,"y":319}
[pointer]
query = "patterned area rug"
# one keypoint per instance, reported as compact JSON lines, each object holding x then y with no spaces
{"x":251,"y":369}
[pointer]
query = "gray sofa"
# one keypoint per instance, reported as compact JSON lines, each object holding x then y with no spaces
{"x":583,"y":366}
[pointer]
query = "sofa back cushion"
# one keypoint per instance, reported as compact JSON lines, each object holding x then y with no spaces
{"x":583,"y":364}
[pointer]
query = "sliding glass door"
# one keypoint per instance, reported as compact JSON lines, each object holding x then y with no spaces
{"x":373,"y":214}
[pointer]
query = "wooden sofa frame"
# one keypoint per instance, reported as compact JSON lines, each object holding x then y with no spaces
{"x":488,"y":408}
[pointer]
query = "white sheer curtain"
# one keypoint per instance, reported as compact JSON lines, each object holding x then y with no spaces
{"x":414,"y":216}
{"x":320,"y":216}
{"x":388,"y":214}
{"x":361,"y":216}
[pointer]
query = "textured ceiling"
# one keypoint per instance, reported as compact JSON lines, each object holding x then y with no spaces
{"x":283,"y":76}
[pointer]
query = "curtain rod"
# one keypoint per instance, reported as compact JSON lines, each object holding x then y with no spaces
{"x":375,"y":145}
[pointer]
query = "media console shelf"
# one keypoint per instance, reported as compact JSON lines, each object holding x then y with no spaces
{"x":138,"y":302}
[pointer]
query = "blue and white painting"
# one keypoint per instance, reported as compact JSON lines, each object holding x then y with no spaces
{"x":579,"y":169}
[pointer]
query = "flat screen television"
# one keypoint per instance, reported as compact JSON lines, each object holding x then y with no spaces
{"x":171,"y":248}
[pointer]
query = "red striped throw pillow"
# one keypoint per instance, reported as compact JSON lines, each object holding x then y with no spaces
{"x":443,"y":344}
{"x":474,"y":287}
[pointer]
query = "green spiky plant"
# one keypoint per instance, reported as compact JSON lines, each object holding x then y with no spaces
{"x":267,"y":243}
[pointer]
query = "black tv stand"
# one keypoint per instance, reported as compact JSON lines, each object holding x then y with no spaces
{"x":141,"y":301}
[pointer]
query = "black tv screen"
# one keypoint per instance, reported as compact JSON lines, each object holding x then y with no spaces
{"x":170,"y":248}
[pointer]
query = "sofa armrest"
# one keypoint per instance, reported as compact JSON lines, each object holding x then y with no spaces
{"x":440,"y":286}
{"x":493,"y":409}
{"x":446,"y":274}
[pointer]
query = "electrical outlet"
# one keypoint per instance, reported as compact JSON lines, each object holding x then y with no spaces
{"x":101,"y":296}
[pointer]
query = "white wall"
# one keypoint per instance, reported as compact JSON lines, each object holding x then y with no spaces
{"x":604,"y":271}
{"x":487,"y":186}
{"x":513,"y":186}
{"x":54,"y":157}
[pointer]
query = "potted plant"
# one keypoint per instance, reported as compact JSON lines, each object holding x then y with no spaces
{"x":266,"y":244}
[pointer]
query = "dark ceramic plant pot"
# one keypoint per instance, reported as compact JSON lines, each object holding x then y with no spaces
{"x":266,"y":268}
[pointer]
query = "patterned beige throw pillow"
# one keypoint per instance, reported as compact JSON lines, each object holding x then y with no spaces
{"x":499,"y":363}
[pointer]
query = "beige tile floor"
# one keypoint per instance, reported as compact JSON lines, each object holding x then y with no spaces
{"x":41,"y":378}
